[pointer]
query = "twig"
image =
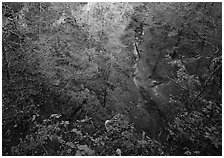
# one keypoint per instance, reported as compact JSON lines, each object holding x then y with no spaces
{"x":45,"y":149}
{"x":138,"y":53}
{"x":156,"y":64}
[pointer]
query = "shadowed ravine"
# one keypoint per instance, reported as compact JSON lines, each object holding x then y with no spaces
{"x":149,"y":114}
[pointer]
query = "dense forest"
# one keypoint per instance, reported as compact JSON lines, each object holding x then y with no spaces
{"x":119,"y":79}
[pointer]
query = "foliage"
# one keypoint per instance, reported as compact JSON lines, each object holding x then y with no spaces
{"x":198,"y":132}
{"x":68,"y":67}
{"x":57,"y":137}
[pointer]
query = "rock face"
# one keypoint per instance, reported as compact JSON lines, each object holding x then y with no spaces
{"x":154,"y":100}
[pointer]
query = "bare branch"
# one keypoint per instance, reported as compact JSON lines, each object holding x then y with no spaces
{"x":205,"y":84}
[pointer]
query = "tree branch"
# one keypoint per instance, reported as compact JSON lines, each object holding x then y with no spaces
{"x":205,"y":84}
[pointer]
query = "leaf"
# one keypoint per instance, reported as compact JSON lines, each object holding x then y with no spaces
{"x":79,"y":153}
{"x":55,"y":116}
{"x":70,"y":144}
{"x":60,"y":140}
{"x":217,"y":143}
{"x":187,"y":153}
{"x":118,"y":151}
{"x":196,"y":152}
{"x":8,"y":132}
{"x":82,"y":147}
{"x":66,"y":123}
{"x":69,"y":151}
{"x":87,"y":150}
{"x":76,"y":131}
